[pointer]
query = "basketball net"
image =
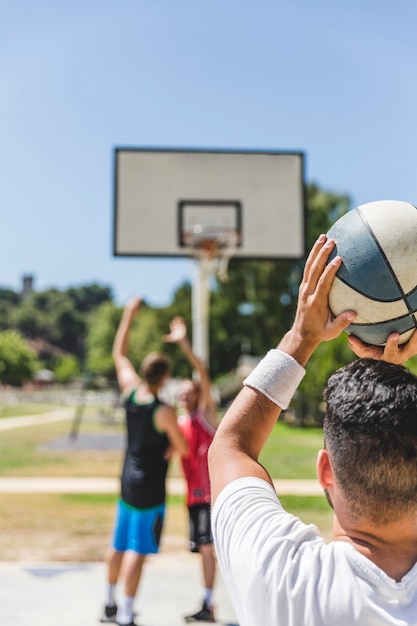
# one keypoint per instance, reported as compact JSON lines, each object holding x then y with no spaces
{"x":213,"y":252}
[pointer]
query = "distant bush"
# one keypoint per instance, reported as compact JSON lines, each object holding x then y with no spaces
{"x":18,"y":362}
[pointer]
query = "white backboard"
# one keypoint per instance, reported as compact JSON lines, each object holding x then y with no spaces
{"x":152,"y":184}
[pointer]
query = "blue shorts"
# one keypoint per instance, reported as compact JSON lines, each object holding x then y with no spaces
{"x":138,"y":529}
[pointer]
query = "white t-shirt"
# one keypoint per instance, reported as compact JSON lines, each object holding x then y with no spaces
{"x":280,"y":572}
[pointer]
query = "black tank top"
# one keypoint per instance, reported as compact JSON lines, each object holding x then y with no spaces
{"x":144,"y":468}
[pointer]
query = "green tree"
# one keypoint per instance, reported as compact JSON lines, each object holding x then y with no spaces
{"x":66,"y":368}
{"x":89,"y":297}
{"x":30,"y":320}
{"x":68,"y":328}
{"x":102,"y":325}
{"x":18,"y":362}
{"x":255,"y":307}
{"x":58,"y":317}
{"x":9,"y":300}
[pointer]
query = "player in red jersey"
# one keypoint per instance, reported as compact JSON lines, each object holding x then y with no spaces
{"x":198,"y":425}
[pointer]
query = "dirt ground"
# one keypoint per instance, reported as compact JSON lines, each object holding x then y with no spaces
{"x":72,"y":527}
{"x":54,"y":527}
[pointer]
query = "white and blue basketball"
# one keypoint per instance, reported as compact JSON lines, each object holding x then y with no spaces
{"x":378,"y":277}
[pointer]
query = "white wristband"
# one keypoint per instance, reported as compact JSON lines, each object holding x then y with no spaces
{"x":277,"y":376}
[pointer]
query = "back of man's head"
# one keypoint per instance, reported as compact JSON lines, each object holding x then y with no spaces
{"x":155,"y":368}
{"x":370,"y":433}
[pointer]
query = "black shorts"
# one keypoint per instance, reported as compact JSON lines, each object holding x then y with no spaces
{"x":200,"y":526}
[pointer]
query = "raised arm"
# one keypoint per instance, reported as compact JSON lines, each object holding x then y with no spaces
{"x":127,"y":376}
{"x":250,"y":419}
{"x":178,"y":334}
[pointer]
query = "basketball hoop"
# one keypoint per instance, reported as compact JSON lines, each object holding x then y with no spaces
{"x":212,"y":246}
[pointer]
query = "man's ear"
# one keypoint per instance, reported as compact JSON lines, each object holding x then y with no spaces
{"x":324,"y":470}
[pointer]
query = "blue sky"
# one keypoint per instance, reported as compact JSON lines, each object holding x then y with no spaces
{"x":334,"y":80}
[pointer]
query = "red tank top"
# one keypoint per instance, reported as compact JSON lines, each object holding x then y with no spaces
{"x":199,"y":434}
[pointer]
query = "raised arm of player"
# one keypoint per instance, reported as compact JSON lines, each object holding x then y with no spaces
{"x":249,"y":421}
{"x":178,"y":334}
{"x":127,"y":376}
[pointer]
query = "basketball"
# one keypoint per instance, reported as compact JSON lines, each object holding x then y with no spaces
{"x":377,"y":242}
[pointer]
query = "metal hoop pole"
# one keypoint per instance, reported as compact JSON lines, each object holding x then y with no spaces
{"x":200,"y":312}
{"x":211,"y":260}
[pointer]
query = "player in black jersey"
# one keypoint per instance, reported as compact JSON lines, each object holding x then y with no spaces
{"x":152,"y":435}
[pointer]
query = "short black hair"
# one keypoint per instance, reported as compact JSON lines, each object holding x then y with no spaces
{"x":370,"y":433}
{"x":155,"y":366}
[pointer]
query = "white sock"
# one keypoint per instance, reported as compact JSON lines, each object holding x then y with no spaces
{"x":110,"y":594}
{"x":208,"y":594}
{"x":125,"y":610}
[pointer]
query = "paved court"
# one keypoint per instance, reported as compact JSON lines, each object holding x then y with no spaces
{"x":69,"y":594}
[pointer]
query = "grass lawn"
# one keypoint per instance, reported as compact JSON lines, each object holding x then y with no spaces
{"x":42,"y":527}
{"x":291,"y":452}
{"x":25,"y":452}
{"x":71,"y":527}
{"x":13,"y":410}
